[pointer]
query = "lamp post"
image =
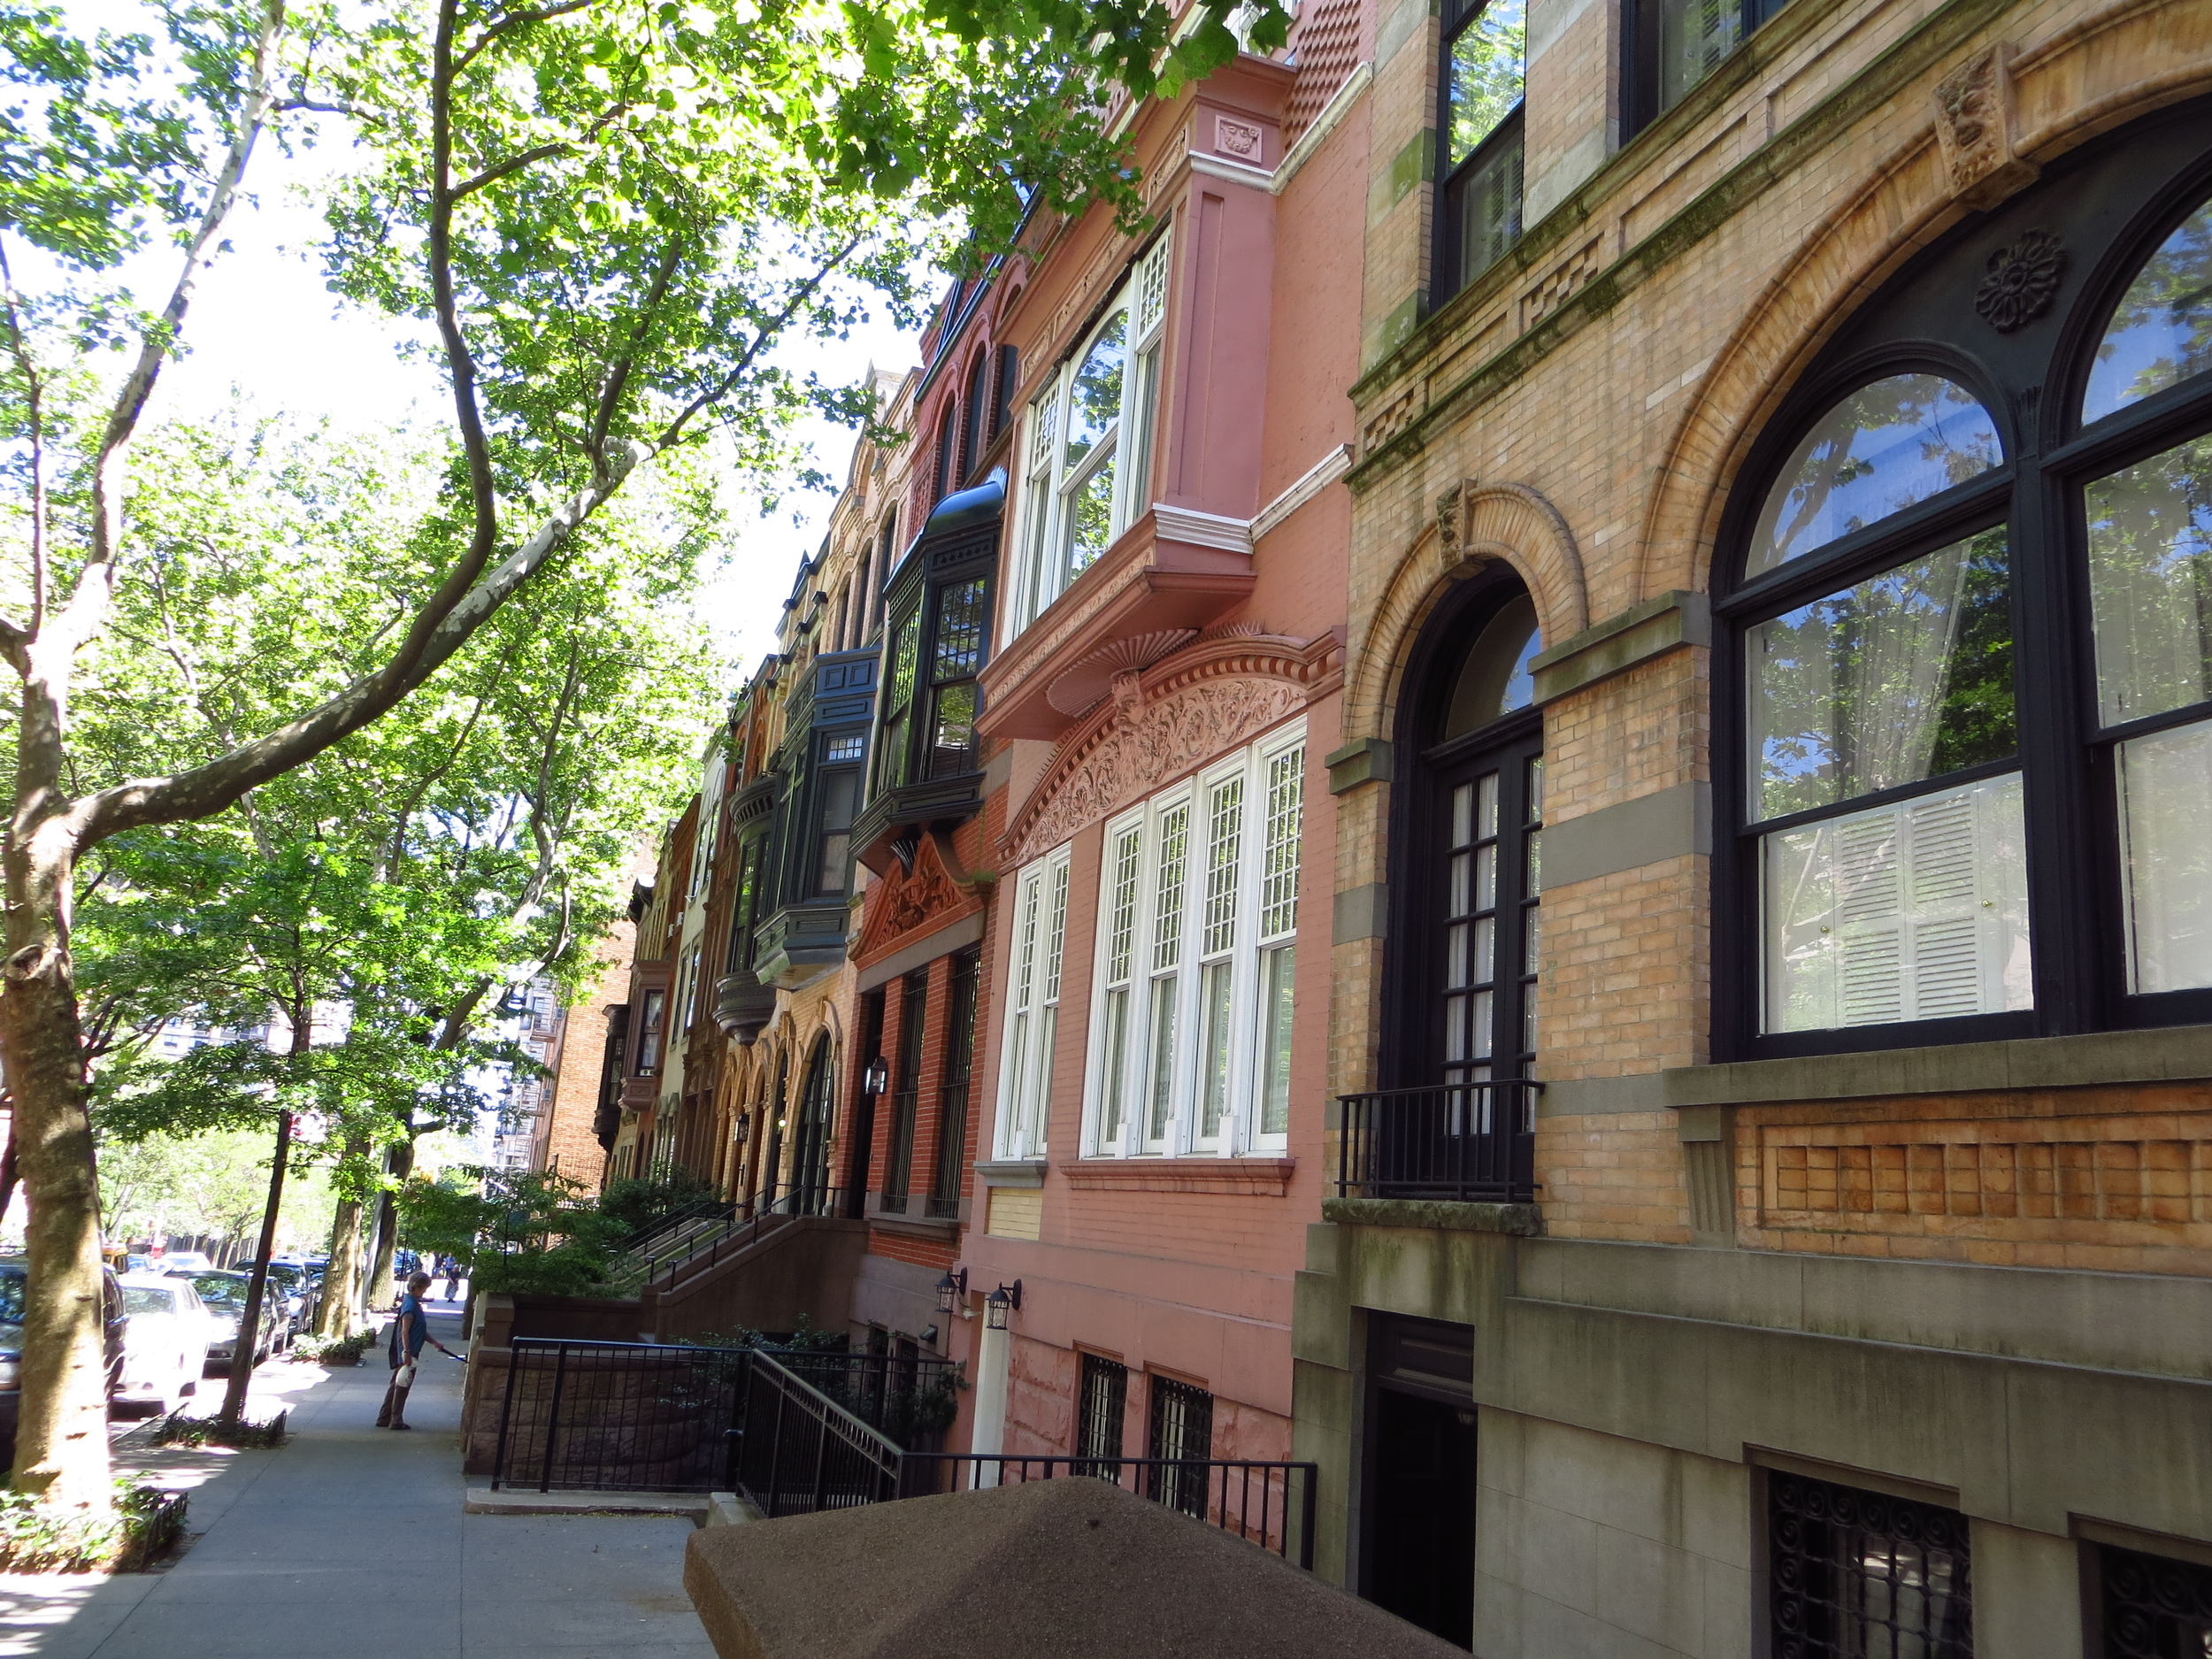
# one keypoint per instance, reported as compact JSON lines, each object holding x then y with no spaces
{"x":993,"y":1364}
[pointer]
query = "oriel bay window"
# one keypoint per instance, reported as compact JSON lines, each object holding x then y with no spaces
{"x":1479,"y":135}
{"x":939,"y":605}
{"x":1197,"y":963}
{"x":1089,"y":440}
{"x":1972,"y":643}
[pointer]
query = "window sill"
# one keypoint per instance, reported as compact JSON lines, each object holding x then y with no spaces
{"x":1011,"y":1172}
{"x":1257,"y":1177}
{"x":2164,"y":1054}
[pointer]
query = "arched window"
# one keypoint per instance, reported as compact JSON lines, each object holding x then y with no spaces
{"x":976,"y":430}
{"x":809,"y":1187}
{"x":948,"y":450}
{"x":1465,"y":927}
{"x":1968,"y":755}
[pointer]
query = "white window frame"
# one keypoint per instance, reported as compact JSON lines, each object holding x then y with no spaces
{"x":1126,"y":1132}
{"x":1036,"y":966}
{"x":1050,"y":483}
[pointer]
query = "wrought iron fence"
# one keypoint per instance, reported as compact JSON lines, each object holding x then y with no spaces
{"x":1450,"y":1140}
{"x":909,"y":1398}
{"x":616,"y":1417}
{"x":1271,"y":1504}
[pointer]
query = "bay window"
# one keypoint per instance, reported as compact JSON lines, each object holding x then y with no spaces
{"x":1971,"y":640}
{"x":1197,"y":963}
{"x":1089,"y":440}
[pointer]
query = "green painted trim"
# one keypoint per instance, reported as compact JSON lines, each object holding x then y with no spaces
{"x":2171,"y":1054}
{"x":1638,"y":634}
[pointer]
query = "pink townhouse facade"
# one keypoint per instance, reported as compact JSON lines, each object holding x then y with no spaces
{"x":1161,"y":690}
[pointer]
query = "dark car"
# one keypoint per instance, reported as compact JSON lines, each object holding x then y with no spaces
{"x":14,"y":1272}
{"x":225,"y":1294}
{"x":290,"y":1284}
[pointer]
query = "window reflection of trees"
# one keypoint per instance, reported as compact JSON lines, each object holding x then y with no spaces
{"x":2160,"y":334}
{"x":1883,"y":449}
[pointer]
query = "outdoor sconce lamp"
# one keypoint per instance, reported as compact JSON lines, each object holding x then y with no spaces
{"x":996,"y":1304}
{"x":951,"y":1287}
{"x":877,"y":1078}
{"x":929,"y":1338}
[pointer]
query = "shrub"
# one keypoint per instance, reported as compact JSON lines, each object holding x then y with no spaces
{"x":183,"y":1431}
{"x":637,"y":1203}
{"x":333,"y":1350}
{"x":35,"y":1538}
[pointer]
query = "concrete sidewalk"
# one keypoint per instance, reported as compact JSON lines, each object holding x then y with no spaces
{"x":351,"y":1541}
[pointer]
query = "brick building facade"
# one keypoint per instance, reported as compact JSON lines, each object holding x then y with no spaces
{"x":1758,"y":548}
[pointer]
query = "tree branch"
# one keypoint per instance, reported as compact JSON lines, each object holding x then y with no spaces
{"x":88,"y":602}
{"x":516,"y":164}
{"x":619,"y":377}
{"x":514,"y":20}
{"x":766,"y":336}
{"x":34,"y":400}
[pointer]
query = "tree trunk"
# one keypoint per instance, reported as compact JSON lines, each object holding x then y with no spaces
{"x":61,"y":1442}
{"x":9,"y":1173}
{"x":400,"y":1165}
{"x":341,"y":1279}
{"x":242,"y":1351}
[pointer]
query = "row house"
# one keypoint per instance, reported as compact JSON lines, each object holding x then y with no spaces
{"x":1770,"y":908}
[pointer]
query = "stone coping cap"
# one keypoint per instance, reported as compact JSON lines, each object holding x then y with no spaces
{"x":1522,"y":1221}
{"x":1069,"y":1568}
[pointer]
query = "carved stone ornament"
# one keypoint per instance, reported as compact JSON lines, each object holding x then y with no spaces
{"x":907,"y":899}
{"x":1237,"y":138}
{"x":1974,"y":128}
{"x":1447,"y":527}
{"x":1150,"y":746}
{"x":2022,"y":280}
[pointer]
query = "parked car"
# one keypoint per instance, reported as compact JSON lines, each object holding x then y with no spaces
{"x":183,"y":1261}
{"x":289,"y":1282}
{"x":138,"y":1264}
{"x":225,"y":1294}
{"x":405,"y":1263}
{"x":14,"y":1271}
{"x":165,"y":1341}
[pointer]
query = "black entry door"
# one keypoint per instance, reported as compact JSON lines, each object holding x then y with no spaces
{"x":1423,"y":1535}
{"x":1488,"y":808}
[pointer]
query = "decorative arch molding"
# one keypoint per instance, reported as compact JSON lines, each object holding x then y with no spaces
{"x":1511,"y":524}
{"x":1162,"y":721}
{"x":2123,"y":62}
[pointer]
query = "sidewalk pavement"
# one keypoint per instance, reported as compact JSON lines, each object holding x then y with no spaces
{"x":350,"y":1541}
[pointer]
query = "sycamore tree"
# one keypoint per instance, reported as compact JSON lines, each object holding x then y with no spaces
{"x":607,"y":212}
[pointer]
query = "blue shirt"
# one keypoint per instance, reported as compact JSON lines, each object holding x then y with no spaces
{"x":413,"y":1327}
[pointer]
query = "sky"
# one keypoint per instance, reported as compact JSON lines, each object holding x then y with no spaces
{"x":263,"y":324}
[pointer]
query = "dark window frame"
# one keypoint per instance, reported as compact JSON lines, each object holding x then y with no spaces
{"x":1641,"y":21}
{"x":1456,"y":177}
{"x":2066,"y":760}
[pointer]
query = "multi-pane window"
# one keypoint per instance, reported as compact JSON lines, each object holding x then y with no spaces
{"x":956,"y":658}
{"x":649,"y":1032}
{"x":898,"y":702}
{"x":1484,"y":61}
{"x":1963,"y":794}
{"x":1041,"y":925}
{"x":1197,"y":963}
{"x":838,"y":783}
{"x":1861,"y":1574}
{"x":1679,"y":42}
{"x":1089,"y":442}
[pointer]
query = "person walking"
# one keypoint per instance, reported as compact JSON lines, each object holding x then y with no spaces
{"x":410,"y":1329}
{"x":453,"y":1278}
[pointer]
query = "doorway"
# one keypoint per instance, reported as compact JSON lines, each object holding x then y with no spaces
{"x":1418,"y":1548}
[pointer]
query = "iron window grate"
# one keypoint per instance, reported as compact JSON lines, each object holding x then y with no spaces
{"x":2154,"y":1608}
{"x":1857,"y":1574}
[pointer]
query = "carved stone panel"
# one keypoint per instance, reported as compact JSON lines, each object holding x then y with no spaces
{"x":1974,"y":126}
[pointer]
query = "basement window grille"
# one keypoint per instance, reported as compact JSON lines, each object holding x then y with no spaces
{"x":1861,"y":1574}
{"x":2154,"y":1607}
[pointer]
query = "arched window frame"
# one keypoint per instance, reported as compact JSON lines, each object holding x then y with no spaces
{"x":2066,"y":760}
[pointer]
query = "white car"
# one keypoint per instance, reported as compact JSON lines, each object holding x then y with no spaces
{"x":165,"y":1345}
{"x":180,"y":1261}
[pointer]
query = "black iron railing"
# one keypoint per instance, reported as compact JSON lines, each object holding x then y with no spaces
{"x":799,"y":1451}
{"x":616,"y":1417}
{"x":908,"y":1397}
{"x":1451,"y":1141}
{"x":1271,"y":1504}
